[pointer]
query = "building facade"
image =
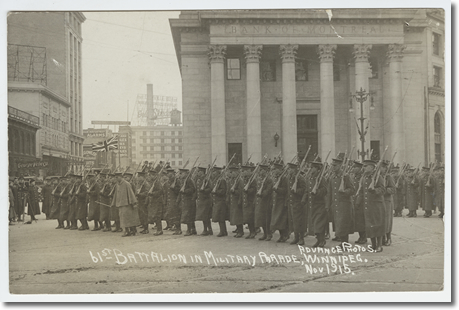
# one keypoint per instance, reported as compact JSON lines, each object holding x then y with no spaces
{"x":264,"y":82}
{"x":44,"y":79}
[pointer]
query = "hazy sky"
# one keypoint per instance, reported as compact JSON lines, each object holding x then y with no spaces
{"x":122,"y":52}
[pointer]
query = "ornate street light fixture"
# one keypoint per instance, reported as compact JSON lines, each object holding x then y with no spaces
{"x":361,"y":96}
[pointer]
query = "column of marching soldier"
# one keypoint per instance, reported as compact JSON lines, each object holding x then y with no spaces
{"x":299,"y":198}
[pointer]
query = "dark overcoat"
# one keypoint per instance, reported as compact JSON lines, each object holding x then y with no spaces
{"x":187,"y":203}
{"x":340,"y":204}
{"x":155,"y":202}
{"x":264,"y":203}
{"x":359,"y":214}
{"x":235,"y":202}
{"x":315,"y":204}
{"x":104,"y":198}
{"x":82,"y":205}
{"x":55,"y":205}
{"x":47,"y":199}
{"x":203,"y":200}
{"x":388,"y":202}
{"x":296,"y":208}
{"x":411,"y":193}
{"x":219,"y":207}
{"x":279,"y":213}
{"x":94,"y":206}
{"x":248,"y":201}
{"x":373,"y":204}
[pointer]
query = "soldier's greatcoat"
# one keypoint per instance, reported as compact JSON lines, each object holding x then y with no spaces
{"x":279,"y":214}
{"x":94,"y":206}
{"x":72,"y":205}
{"x":427,"y":202}
{"x":47,"y":199}
{"x":373,"y":204}
{"x":235,"y":202}
{"x":264,"y":203}
{"x":219,"y":207}
{"x":171,"y":195}
{"x":104,"y":198}
{"x":81,"y":203}
{"x":296,"y":209}
{"x":340,"y":203}
{"x":187,"y":203}
{"x":411,"y":193}
{"x":388,"y":202}
{"x":155,"y":202}
{"x":440,"y":192}
{"x":315,"y":203}
{"x":141,"y":191}
{"x":203,"y":200}
{"x":55,"y":205}
{"x":248,"y":202}
{"x":359,"y":214}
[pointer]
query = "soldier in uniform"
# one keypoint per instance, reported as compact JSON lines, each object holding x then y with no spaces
{"x":315,"y":194}
{"x":440,"y":190}
{"x":359,"y":215}
{"x":173,"y":212}
{"x":114,"y":212}
{"x":248,"y":200}
{"x":33,"y":205}
{"x":204,"y":201}
{"x":72,"y":206}
{"x":142,"y":187}
{"x":279,"y":214}
{"x":389,"y":185}
{"x":64,"y":197}
{"x":105,"y":189}
{"x":22,"y":194}
{"x":263,"y":202}
{"x":155,"y":203}
{"x":187,"y":203}
{"x":296,"y":209}
{"x":399,"y":196}
{"x":411,"y":192}
{"x":427,"y":188}
{"x":219,"y":208}
{"x":372,"y":200}
{"x":81,"y":204}
{"x":340,"y":189}
{"x":55,"y":205}
{"x":47,"y":197}
{"x":94,"y":206}
{"x":235,"y":200}
{"x":125,"y":201}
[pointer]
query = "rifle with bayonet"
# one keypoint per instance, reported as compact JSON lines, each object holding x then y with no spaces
{"x":432,"y":167}
{"x":222,"y":175}
{"x":154,"y":182}
{"x":377,"y":171}
{"x":188,"y":176}
{"x":295,"y":184}
{"x":320,"y":176}
{"x":209,"y":174}
{"x":254,"y":174}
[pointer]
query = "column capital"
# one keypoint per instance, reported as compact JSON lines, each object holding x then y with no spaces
{"x":217,"y":52}
{"x":395,"y":52}
{"x":362,"y":52}
{"x":288,"y":52}
{"x":326,"y":52}
{"x":252,"y":52}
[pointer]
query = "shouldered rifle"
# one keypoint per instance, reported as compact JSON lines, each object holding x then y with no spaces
{"x":156,"y":179}
{"x":209,"y":173}
{"x":254,"y":174}
{"x":263,"y":183}
{"x":377,"y":171}
{"x":320,"y":176}
{"x":295,"y":184}
{"x":391,"y":163}
{"x":96,"y":179}
{"x":188,"y":176}
{"x":136,"y":170}
{"x":432,"y":167}
{"x":248,"y":159}
{"x":84,"y":179}
{"x":222,"y":175}
{"x":284,"y":171}
{"x":400,"y":174}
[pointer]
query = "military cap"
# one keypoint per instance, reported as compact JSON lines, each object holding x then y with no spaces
{"x":233,"y":167}
{"x":316,"y":164}
{"x":78,"y":176}
{"x":141,"y":173}
{"x":278,"y":166}
{"x":217,"y":168}
{"x":152,"y":171}
{"x":118,"y":173}
{"x":98,"y":170}
{"x":184,"y":170}
{"x":203,"y":169}
{"x":367,"y":162}
{"x":385,"y":163}
{"x":411,"y":169}
{"x":128,"y":174}
{"x":357,"y":164}
{"x":263,"y":166}
{"x":245,"y":167}
{"x":292,"y":165}
{"x":425,"y":168}
{"x":91,"y":174}
{"x":439,"y":167}
{"x":337,"y":161}
{"x":170,"y":170}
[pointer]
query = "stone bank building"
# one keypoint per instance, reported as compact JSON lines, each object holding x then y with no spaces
{"x":259,"y":82}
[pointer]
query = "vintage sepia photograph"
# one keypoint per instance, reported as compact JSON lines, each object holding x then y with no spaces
{"x":211,"y":150}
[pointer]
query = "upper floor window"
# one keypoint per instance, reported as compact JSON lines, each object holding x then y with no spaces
{"x":233,"y":69}
{"x":437,"y":76}
{"x":436,"y":43}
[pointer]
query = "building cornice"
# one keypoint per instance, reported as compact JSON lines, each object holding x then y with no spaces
{"x":32,"y":87}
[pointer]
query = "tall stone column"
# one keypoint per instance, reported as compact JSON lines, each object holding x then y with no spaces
{"x":361,"y":55}
{"x":217,"y":105}
{"x":395,"y":107}
{"x":253,"y":113}
{"x":327,"y":100}
{"x":289,"y":132}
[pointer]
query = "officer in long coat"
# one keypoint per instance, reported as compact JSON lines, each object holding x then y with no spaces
{"x":219,"y":207}
{"x":279,"y":214}
{"x":125,"y":201}
{"x":33,"y":205}
{"x":390,"y":188}
{"x":55,"y":204}
{"x":411,"y":192}
{"x":427,"y":190}
{"x":64,"y":197}
{"x":81,"y":204}
{"x":94,"y":206}
{"x":71,"y":202}
{"x":141,"y":191}
{"x":248,"y":200}
{"x":399,"y":196}
{"x":359,"y":215}
{"x":171,"y":193}
{"x":114,"y":212}
{"x":155,"y":203}
{"x":372,"y":200}
{"x":440,"y":190}
{"x":23,"y":191}
{"x":187,"y":203}
{"x":234,"y":187}
{"x":263,"y":202}
{"x":340,"y":189}
{"x":297,"y":210}
{"x":47,"y":197}
{"x":104,"y":198}
{"x":204,"y":200}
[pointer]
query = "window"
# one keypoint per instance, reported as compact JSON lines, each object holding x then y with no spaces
{"x":180,"y":163}
{"x":144,"y":133}
{"x":162,"y":133}
{"x":144,"y":148}
{"x":179,"y":148}
{"x":162,"y":148}
{"x":436,"y":43}
{"x":179,"y":140}
{"x":162,"y":155}
{"x":173,"y":163}
{"x":173,"y":148}
{"x":437,"y":76}
{"x":172,"y":140}
{"x":233,"y":69}
{"x":162,"y":141}
{"x":301,"y":70}
{"x":180,"y":155}
{"x":336,"y":72}
{"x":173,"y":155}
{"x":268,"y":71}
{"x":172,"y":133}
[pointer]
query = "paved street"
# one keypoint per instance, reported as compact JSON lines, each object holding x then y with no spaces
{"x":45,"y":260}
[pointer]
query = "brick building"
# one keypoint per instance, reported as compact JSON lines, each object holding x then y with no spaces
{"x":44,"y":79}
{"x":258,"y":82}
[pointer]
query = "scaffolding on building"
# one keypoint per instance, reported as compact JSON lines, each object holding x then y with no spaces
{"x":27,"y":63}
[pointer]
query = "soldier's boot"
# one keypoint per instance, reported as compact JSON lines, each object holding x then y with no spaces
{"x":133,"y":230}
{"x":415,"y":214}
{"x":317,"y":242}
{"x":204,"y":232}
{"x":321,"y":238}
{"x":388,"y":240}
{"x":327,"y":231}
{"x":127,"y":232}
{"x":295,"y":239}
{"x":188,"y":230}
{"x":67,"y":226}
{"x":59,"y":224}
{"x":343,"y":239}
{"x":108,"y":226}
{"x":252,"y":232}
{"x":265,"y":234}
{"x":269,"y":233}
{"x":159,"y":230}
{"x":167,"y":226}
{"x":74,"y":225}
{"x":209,"y":228}
{"x":373,"y":244}
{"x":193,"y":229}
{"x":240,"y":231}
{"x":85,"y":224}
{"x":379,"y":247}
{"x":96,"y":226}
{"x":222,"y":229}
{"x":117,"y":227}
{"x":281,"y":236}
{"x":362,"y":238}
{"x":301,"y":238}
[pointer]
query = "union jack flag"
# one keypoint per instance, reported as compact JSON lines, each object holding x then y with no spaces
{"x":107,"y":145}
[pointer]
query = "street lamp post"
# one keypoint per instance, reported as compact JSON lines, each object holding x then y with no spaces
{"x":361,"y":96}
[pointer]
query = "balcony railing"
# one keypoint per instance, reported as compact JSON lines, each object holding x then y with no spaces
{"x":23,"y":116}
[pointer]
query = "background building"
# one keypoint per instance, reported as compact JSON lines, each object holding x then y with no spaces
{"x":44,"y":80}
{"x":258,"y":82}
